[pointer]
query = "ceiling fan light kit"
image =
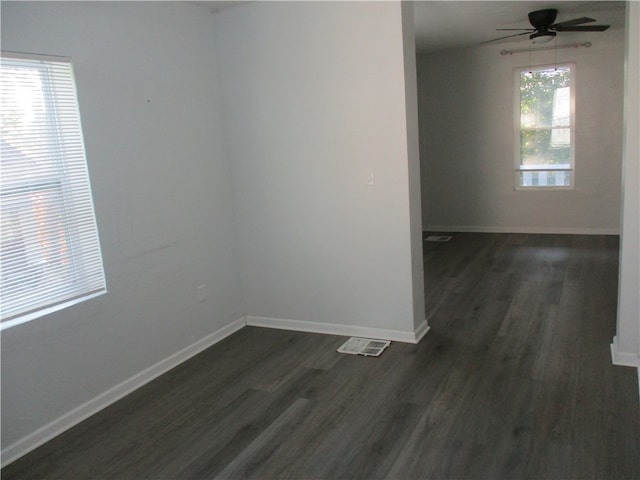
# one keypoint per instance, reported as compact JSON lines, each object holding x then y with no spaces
{"x":542,"y":37}
{"x":544,"y":30}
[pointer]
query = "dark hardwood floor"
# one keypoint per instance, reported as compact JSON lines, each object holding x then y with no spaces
{"x":514,"y":380}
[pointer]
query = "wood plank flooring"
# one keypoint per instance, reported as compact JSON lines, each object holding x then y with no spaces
{"x":514,"y":381}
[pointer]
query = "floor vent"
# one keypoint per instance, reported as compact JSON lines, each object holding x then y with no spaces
{"x":438,"y":238}
{"x":364,"y":346}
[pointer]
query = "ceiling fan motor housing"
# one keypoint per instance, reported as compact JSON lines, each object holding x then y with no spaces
{"x":544,"y":29}
{"x":542,"y":19}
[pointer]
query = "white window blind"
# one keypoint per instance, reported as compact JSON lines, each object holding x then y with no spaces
{"x":50,"y":251}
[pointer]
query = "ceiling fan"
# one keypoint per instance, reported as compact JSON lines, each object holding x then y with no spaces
{"x":544,"y":30}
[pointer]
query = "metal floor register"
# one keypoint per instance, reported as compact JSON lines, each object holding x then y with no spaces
{"x":364,"y":346}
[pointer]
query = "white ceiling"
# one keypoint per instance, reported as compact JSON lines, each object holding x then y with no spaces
{"x":449,"y":24}
{"x":443,"y":25}
{"x":220,"y":5}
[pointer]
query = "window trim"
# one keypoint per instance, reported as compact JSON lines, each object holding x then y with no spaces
{"x":517,"y":129}
{"x":94,"y":285}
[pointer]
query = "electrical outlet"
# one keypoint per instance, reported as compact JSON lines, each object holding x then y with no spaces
{"x":202,"y":293}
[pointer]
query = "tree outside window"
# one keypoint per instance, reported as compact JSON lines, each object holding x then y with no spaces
{"x":545,"y":127}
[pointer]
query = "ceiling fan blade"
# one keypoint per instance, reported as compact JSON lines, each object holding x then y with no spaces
{"x":508,"y":36}
{"x":516,"y":29}
{"x":583,"y":28}
{"x":575,"y":21}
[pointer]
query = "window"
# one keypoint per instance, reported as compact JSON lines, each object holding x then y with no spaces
{"x":544,"y":119}
{"x":50,"y":253}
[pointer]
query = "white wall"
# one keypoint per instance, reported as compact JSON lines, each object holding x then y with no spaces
{"x":189,"y":182}
{"x":413,"y":165}
{"x":626,"y":344}
{"x":315,"y":95}
{"x":146,"y":79}
{"x":467,"y":141}
{"x":312,"y":116}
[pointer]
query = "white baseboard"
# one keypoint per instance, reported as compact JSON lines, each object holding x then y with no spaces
{"x":624,"y":359}
{"x":115,"y":393}
{"x":508,"y":229}
{"x":421,"y":331}
{"x":84,"y":411}
{"x":342,"y":330}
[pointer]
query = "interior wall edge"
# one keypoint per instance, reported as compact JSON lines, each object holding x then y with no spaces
{"x":623,"y":359}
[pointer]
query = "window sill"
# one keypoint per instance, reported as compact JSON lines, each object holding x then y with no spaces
{"x":28,"y":317}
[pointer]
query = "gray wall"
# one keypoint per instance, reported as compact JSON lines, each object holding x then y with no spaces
{"x":161,"y":181}
{"x":315,"y":95}
{"x":467,"y":141}
{"x":626,"y":344}
{"x":413,"y":152}
{"x":257,"y":190}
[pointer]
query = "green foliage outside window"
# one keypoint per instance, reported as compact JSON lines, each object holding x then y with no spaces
{"x":545,"y":117}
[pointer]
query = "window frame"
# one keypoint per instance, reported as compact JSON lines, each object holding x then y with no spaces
{"x":518,"y":128}
{"x":84,"y":278}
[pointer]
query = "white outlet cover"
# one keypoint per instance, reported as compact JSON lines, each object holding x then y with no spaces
{"x":202,"y":293}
